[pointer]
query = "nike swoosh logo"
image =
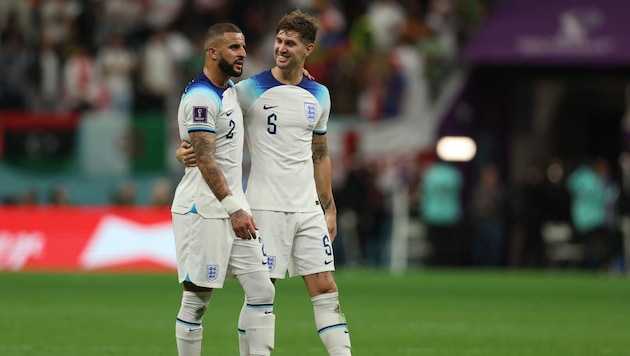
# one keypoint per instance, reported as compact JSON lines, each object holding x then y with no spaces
{"x":268,"y":312}
{"x":264,"y":262}
{"x":267,"y":107}
{"x":328,"y":262}
{"x":229,"y":113}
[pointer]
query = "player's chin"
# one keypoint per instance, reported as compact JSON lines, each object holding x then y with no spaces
{"x":282,"y":62}
{"x":237,"y":72}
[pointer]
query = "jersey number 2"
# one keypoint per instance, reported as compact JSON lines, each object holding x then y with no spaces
{"x":230,"y":133}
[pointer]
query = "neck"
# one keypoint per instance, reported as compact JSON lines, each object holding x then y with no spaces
{"x":287,"y":76}
{"x":216,"y":76}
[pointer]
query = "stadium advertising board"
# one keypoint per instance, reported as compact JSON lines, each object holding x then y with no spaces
{"x":86,"y":239}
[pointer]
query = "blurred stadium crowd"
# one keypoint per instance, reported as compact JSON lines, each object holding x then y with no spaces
{"x":380,"y":59}
{"x":137,"y":54}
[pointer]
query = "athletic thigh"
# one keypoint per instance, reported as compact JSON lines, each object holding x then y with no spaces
{"x":247,"y":256}
{"x":312,"y":247}
{"x":277,"y":230}
{"x":202,"y":248}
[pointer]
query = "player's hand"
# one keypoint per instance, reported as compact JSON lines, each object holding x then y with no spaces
{"x":243,"y":225}
{"x":307,"y":74}
{"x":186,"y":155}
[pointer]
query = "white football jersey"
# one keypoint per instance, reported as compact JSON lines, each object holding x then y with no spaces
{"x":280,"y":121}
{"x":205,"y":107}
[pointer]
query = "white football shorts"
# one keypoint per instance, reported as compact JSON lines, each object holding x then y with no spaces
{"x":297,"y":243}
{"x":208,"y":252}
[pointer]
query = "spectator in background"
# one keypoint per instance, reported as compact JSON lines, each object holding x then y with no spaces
{"x":411,"y":61}
{"x":441,"y":211}
{"x":530,"y":211}
{"x":487,"y":213}
{"x":381,"y":83}
{"x":15,"y":63}
{"x":331,"y":43}
{"x":18,"y":16}
{"x":157,"y":73}
{"x":56,"y":18}
{"x":30,"y":197}
{"x":361,"y":205}
{"x":161,"y":13}
{"x":116,"y":65}
{"x":162,"y":193}
{"x":47,"y":75}
{"x":82,"y":89}
{"x":58,"y":195}
{"x":592,"y":195}
{"x":124,"y":194}
{"x":122,"y":16}
{"x":382,"y":87}
{"x":614,"y":242}
{"x":440,"y":47}
{"x":386,"y":19}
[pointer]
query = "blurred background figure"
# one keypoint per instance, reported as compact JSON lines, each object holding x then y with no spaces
{"x":82,"y":87}
{"x":442,"y":212}
{"x":58,"y":195}
{"x":593,"y":210}
{"x":47,"y":76}
{"x":361,"y":206}
{"x":15,"y":64}
{"x":116,"y":66}
{"x":124,"y":194}
{"x":530,"y":213}
{"x":488,"y":213}
{"x":157,"y":72}
{"x":162,"y":193}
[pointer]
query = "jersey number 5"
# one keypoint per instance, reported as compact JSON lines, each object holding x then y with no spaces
{"x":271,"y":124}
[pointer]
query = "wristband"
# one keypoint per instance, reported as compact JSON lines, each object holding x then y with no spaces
{"x":230,"y":204}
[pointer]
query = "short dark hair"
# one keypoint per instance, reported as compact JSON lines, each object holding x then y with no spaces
{"x":302,"y":23}
{"x":218,"y":30}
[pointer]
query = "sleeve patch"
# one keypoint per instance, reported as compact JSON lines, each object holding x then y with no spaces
{"x":200,"y":114}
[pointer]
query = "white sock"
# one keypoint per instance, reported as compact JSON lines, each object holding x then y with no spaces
{"x":188,"y":329}
{"x":243,"y":345}
{"x":257,"y":318}
{"x":331,"y":324}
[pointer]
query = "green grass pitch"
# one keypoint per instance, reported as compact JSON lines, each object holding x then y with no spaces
{"x":421,"y":312}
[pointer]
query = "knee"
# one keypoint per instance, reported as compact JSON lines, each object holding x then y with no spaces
{"x":320,"y":283}
{"x":264,"y":295}
{"x":258,"y":288}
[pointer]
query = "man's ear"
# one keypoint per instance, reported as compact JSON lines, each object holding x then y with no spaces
{"x":309,"y":48}
{"x":212,"y":52}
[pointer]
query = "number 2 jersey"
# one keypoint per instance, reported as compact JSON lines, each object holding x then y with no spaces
{"x":205,"y":107}
{"x":280,"y":121}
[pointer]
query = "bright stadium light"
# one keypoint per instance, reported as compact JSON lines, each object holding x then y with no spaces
{"x":456,"y":148}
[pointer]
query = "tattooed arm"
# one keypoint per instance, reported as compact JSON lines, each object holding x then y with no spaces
{"x":323,"y":181}
{"x":204,"y":144}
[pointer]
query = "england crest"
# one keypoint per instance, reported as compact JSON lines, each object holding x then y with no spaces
{"x":271,"y":262}
{"x":310,"y":110}
{"x":212,"y":272}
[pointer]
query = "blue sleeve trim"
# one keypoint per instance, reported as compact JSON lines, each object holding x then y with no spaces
{"x":198,"y":128}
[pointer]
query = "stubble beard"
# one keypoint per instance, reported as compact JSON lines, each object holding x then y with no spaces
{"x":229,"y":68}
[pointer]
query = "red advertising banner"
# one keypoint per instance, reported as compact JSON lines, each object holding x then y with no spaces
{"x":86,"y":238}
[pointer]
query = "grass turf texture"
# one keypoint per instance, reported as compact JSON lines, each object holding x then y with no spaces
{"x":425,"y":312}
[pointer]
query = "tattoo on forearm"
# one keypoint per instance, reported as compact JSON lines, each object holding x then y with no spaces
{"x":320,"y":151}
{"x":326,"y":202}
{"x":205,"y":149}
